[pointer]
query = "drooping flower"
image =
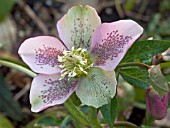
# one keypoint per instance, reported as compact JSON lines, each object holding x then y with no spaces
{"x":85,"y":63}
{"x":156,"y":105}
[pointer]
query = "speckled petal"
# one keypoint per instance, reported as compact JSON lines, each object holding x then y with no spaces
{"x":41,"y":54}
{"x":48,"y":90}
{"x":97,"y":88}
{"x":111,"y":41}
{"x":76,"y":28}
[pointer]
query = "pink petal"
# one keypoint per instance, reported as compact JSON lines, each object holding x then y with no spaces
{"x":77,"y":27}
{"x":41,"y":54}
{"x":48,"y":90}
{"x":111,"y":41}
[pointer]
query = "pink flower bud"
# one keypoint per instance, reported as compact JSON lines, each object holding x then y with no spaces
{"x":156,"y":105}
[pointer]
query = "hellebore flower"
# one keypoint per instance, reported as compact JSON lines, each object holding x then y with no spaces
{"x":85,"y":63}
{"x":157,"y":106}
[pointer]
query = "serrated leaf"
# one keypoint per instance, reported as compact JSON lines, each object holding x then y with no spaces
{"x":136,"y":77}
{"x":158,"y":80}
{"x":7,"y":103}
{"x":142,"y":51}
{"x":48,"y":121}
{"x":109,"y":111}
{"x":5,"y":123}
{"x":5,"y":8}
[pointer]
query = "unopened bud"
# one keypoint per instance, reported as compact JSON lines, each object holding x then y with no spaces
{"x":156,"y":105}
{"x":166,"y":55}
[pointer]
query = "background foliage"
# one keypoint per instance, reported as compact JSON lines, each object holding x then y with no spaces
{"x":22,"y":19}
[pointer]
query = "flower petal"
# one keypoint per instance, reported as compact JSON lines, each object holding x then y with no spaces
{"x":41,"y":54}
{"x":97,"y":88}
{"x":48,"y":90}
{"x":77,"y":27}
{"x":111,"y":41}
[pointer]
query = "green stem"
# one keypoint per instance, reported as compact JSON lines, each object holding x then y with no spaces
{"x":92,"y":117}
{"x":148,"y":119}
{"x":124,"y":123}
{"x":18,"y":67}
{"x":134,"y":64}
{"x":75,"y":112}
{"x":119,"y":9}
{"x":66,"y":121}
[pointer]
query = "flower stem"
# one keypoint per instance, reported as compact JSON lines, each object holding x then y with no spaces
{"x":92,"y":117}
{"x":134,"y":64}
{"x":75,"y":112}
{"x":18,"y":67}
{"x":124,"y":123}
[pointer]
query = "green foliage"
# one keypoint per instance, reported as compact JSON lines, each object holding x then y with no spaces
{"x":5,"y":123}
{"x":7,"y":103}
{"x":164,"y":28}
{"x":109,"y":111}
{"x":142,"y":51}
{"x":158,"y":80}
{"x":66,"y":121}
{"x":48,"y":120}
{"x":136,"y":77}
{"x":5,"y":8}
{"x":158,"y":27}
{"x":130,"y":4}
{"x":164,"y":6}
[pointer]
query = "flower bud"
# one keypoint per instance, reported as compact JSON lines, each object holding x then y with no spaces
{"x":166,"y":55}
{"x":156,"y":105}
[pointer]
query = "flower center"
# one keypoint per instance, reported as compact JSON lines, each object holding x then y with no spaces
{"x":75,"y":63}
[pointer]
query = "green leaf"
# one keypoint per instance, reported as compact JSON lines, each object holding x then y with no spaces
{"x":109,"y":111}
{"x":165,"y":67}
{"x":5,"y":123}
{"x":48,"y":121}
{"x":136,"y":77}
{"x":5,"y":8}
{"x":158,"y":80}
{"x":168,"y":78}
{"x":56,"y":114}
{"x":142,"y":51}
{"x":7,"y":103}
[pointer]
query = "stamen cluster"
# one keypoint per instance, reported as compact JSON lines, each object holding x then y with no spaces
{"x":75,"y":63}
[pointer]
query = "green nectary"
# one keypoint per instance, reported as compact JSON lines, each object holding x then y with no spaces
{"x":75,"y":63}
